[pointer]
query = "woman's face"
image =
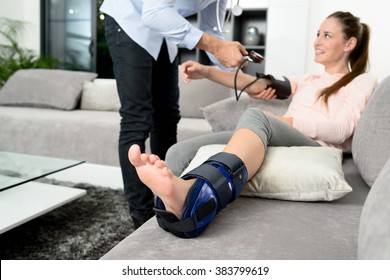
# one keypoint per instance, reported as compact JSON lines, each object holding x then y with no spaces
{"x":331,"y":48}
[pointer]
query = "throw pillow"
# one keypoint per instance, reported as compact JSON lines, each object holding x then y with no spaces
{"x":100,"y":95}
{"x":292,"y":173}
{"x":224,"y":115}
{"x":370,"y":144}
{"x":199,"y":93}
{"x":45,"y":88}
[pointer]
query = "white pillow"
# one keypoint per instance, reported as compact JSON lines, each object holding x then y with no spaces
{"x":100,"y":95}
{"x":292,"y":173}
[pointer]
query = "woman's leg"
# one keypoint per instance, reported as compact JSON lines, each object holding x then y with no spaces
{"x":249,"y":148}
{"x":179,"y":156}
{"x":155,"y":174}
{"x":173,"y":190}
{"x":255,"y":131}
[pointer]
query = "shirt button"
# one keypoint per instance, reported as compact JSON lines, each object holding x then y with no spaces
{"x":119,"y":30}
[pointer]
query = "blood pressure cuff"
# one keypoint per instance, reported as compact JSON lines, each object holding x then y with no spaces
{"x":282,"y":87}
{"x":219,"y":181}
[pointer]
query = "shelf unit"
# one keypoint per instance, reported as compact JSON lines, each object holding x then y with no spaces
{"x":252,"y":18}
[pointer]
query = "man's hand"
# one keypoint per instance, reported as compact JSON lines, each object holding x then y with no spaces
{"x":228,"y":53}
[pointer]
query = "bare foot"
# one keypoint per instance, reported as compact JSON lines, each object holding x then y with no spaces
{"x":154,"y":173}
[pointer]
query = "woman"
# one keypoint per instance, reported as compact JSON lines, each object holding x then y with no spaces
{"x":324,"y":110}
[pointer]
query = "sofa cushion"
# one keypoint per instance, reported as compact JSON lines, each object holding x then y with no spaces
{"x":199,"y":93}
{"x":292,"y":173}
{"x":374,"y":229}
{"x":44,"y":88}
{"x":100,"y":95}
{"x":261,"y":229}
{"x":370,"y":144}
{"x":224,"y":115}
{"x":90,"y":136}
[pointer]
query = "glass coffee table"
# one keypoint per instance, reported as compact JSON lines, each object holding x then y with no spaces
{"x":23,"y":199}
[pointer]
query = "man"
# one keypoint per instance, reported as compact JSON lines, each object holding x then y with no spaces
{"x":143,"y":37}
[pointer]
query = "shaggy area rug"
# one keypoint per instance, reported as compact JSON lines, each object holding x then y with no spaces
{"x":84,"y":229}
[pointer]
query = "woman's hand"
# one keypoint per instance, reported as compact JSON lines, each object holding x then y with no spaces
{"x":191,"y":70}
{"x":266,"y":94}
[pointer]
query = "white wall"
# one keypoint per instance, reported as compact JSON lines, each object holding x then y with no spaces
{"x":28,"y":11}
{"x":373,"y":12}
{"x":287,"y":23}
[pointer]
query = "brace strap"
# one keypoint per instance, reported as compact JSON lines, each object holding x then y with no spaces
{"x":169,"y":222}
{"x":235,"y":169}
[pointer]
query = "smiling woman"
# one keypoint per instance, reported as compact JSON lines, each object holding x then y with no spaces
{"x":324,"y":111}
{"x":342,"y":47}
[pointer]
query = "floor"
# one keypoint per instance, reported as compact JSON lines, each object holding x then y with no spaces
{"x":32,"y":199}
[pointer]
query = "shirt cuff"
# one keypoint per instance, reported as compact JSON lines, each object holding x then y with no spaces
{"x":192,"y":38}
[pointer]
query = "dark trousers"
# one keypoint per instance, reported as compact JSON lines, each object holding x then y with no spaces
{"x":149,"y":95}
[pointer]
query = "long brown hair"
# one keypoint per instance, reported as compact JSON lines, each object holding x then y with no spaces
{"x":358,"y":58}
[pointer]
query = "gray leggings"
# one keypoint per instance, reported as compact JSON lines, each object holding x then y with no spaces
{"x":272,"y":131}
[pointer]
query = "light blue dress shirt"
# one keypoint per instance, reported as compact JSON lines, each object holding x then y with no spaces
{"x":148,"y":22}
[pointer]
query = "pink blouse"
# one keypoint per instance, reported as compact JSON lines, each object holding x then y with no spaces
{"x":331,"y":125}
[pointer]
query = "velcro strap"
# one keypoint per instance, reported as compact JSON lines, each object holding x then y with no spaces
{"x":236,"y":169}
{"x":168,"y":221}
{"x":219,"y":183}
{"x":231,"y":161}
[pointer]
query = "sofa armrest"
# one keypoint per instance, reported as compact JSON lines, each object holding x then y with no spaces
{"x":374,"y":229}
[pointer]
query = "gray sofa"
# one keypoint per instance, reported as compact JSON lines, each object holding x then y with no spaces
{"x":356,"y":226}
{"x":74,"y":115}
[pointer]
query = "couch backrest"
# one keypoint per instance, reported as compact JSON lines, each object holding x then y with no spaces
{"x":199,"y":93}
{"x":371,"y":141}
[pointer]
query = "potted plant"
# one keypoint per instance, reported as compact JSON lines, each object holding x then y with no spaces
{"x":12,"y":56}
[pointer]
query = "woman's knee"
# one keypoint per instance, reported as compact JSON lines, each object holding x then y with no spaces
{"x":179,"y":156}
{"x":253,"y":114}
{"x":257,"y":121}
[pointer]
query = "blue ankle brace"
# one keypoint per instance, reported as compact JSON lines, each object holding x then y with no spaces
{"x":220,"y":180}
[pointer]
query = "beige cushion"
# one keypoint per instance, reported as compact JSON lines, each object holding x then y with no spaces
{"x":45,"y":88}
{"x":100,"y":95}
{"x":292,"y":173}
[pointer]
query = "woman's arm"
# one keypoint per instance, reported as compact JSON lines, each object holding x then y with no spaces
{"x":191,"y":70}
